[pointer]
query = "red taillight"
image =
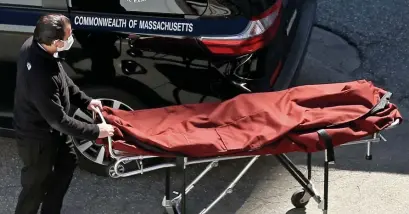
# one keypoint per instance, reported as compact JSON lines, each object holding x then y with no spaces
{"x":260,"y":30}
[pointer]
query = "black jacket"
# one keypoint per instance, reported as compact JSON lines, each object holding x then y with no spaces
{"x":43,"y":97}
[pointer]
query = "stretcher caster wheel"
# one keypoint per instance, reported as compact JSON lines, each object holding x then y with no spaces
{"x":297,"y":199}
{"x":111,"y":170}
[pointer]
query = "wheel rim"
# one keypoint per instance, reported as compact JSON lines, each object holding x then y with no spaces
{"x":89,"y":149}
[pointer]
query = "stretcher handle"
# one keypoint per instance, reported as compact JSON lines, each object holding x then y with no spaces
{"x":111,"y":152}
{"x":95,"y":109}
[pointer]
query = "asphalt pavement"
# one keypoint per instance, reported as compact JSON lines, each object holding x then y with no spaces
{"x":372,"y":44}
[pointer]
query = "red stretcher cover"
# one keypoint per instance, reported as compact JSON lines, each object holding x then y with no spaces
{"x":256,"y":123}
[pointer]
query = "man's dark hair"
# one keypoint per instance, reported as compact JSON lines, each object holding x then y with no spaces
{"x":50,"y":27}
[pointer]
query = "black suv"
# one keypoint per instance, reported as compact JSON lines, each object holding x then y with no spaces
{"x":135,"y":54}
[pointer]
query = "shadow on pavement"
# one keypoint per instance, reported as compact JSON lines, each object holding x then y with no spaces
{"x":297,"y":211}
{"x":213,"y":184}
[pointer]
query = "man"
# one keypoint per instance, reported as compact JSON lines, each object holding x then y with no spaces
{"x":43,"y":97}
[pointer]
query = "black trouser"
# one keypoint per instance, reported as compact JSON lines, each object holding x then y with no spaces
{"x":46,"y":175}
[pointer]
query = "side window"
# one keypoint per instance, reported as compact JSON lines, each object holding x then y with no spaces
{"x":22,"y":2}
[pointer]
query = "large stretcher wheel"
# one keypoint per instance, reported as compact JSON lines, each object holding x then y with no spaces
{"x":297,"y":199}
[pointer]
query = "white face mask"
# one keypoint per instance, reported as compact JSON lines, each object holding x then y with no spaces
{"x":67,"y":44}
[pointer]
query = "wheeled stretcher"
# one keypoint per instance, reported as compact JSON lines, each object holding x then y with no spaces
{"x":306,"y":119}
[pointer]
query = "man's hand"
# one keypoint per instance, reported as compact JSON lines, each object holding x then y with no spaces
{"x":95,"y":104}
{"x":105,"y":130}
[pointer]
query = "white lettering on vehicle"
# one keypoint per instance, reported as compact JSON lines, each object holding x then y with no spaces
{"x":99,"y":21}
{"x":166,"y":26}
{"x":132,"y":23}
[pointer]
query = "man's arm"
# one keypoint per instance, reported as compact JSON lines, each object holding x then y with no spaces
{"x":77,"y":97}
{"x":45,"y":96}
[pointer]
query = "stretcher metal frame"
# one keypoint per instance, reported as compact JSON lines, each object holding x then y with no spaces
{"x":177,"y":205}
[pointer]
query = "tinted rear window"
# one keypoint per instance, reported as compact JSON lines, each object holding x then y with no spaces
{"x":252,"y":8}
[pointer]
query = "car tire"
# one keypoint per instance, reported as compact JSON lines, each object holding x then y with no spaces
{"x":87,"y":158}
